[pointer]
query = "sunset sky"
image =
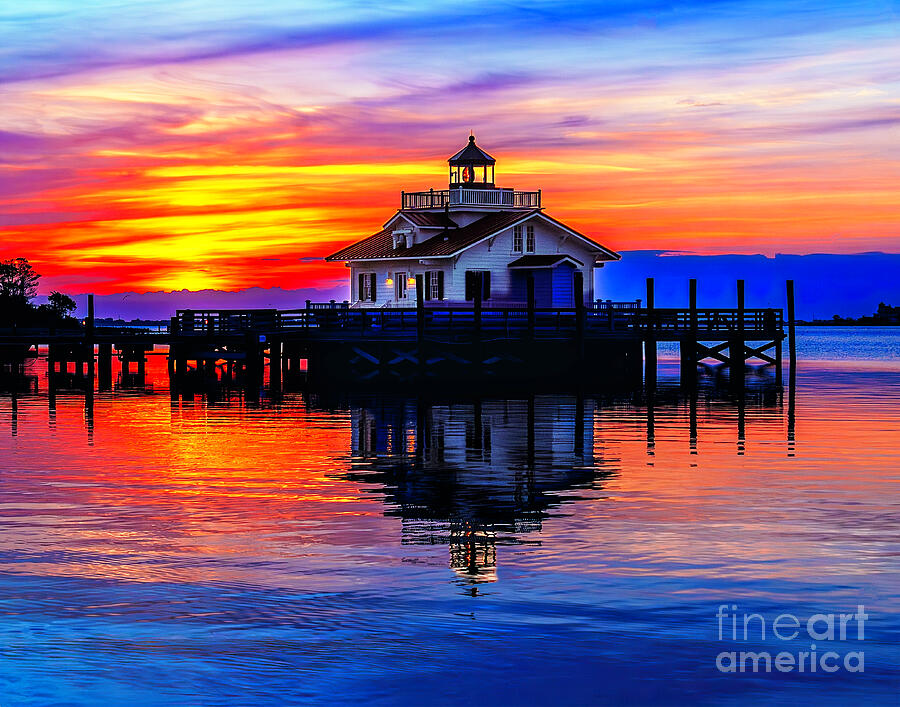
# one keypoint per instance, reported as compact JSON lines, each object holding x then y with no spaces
{"x":160,"y":145}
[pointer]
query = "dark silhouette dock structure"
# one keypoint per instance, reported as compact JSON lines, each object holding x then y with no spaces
{"x":332,"y":344}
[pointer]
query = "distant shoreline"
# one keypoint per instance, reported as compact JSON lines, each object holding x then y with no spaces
{"x":845,"y":323}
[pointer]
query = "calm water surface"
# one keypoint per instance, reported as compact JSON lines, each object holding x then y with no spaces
{"x":382,"y":548}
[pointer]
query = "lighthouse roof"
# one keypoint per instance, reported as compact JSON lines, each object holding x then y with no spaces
{"x":454,"y":240}
{"x":471,"y":154}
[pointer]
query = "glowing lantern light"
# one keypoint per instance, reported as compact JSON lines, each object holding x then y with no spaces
{"x":389,"y":281}
{"x":411,"y":282}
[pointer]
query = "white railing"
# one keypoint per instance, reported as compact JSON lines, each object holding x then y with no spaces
{"x":437,"y":199}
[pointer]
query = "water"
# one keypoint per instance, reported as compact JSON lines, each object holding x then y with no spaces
{"x":384,"y":548}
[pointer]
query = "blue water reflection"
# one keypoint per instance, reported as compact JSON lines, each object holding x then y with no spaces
{"x":444,"y":548}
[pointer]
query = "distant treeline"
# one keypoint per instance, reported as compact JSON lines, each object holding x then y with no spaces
{"x":886,"y":315}
{"x":18,"y":286}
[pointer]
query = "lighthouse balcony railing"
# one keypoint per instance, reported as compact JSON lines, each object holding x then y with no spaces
{"x":439,"y":198}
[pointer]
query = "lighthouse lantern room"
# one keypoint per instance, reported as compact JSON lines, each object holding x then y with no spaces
{"x":472,"y":167}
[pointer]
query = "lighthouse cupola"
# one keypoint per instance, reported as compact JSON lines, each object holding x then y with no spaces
{"x":472,"y":168}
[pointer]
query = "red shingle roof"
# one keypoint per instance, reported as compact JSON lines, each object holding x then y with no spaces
{"x":381,"y":244}
{"x":447,"y":242}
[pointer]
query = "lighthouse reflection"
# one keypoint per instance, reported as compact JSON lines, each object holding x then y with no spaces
{"x":475,"y":474}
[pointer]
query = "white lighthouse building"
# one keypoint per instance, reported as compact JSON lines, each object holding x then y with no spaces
{"x":473,"y":233}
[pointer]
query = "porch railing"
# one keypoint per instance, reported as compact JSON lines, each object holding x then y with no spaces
{"x":344,"y":322}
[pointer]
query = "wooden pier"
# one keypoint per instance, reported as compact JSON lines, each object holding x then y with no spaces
{"x":333,"y":344}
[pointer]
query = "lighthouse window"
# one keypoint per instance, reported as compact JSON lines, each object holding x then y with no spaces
{"x":517,"y":239}
{"x":529,"y":239}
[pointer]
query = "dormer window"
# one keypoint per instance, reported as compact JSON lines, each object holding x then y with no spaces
{"x":403,"y":238}
{"x":517,"y":239}
{"x":529,"y":239}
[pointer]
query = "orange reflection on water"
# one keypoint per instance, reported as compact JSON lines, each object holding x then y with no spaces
{"x":304,"y":490}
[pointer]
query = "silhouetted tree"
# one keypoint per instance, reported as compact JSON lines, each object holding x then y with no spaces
{"x":61,"y":304}
{"x":18,"y":281}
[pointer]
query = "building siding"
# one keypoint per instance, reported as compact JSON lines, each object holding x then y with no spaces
{"x":507,"y":286}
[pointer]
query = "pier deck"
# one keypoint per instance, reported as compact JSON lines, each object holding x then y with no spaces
{"x":336,"y":344}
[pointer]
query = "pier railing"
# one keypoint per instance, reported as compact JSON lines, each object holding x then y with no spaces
{"x":343,"y":322}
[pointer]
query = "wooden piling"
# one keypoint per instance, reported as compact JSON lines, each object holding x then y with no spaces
{"x":736,"y":346}
{"x":692,"y":302}
{"x":688,"y":346}
{"x":89,"y":343}
{"x":792,"y":334}
{"x":650,"y":339}
{"x":89,"y":322}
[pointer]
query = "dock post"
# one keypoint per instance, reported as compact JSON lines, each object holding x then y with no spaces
{"x":692,"y":304}
{"x":792,"y":334}
{"x":688,"y":346}
{"x":736,"y":351}
{"x":89,"y":343}
{"x":529,"y":287}
{"x":89,"y":322}
{"x":650,"y":337}
{"x":170,"y":364}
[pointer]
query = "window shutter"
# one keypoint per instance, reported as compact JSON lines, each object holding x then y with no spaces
{"x":470,"y":277}
{"x":426,"y":284}
{"x":486,"y":292}
{"x":374,"y":280}
{"x":440,"y":277}
{"x":361,"y":287}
